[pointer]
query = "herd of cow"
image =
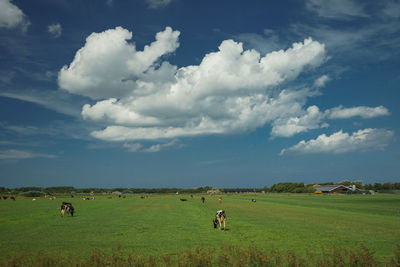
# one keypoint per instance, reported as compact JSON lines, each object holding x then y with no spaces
{"x":220,"y":216}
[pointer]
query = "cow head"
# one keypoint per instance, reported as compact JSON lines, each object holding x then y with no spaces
{"x":215,"y":223}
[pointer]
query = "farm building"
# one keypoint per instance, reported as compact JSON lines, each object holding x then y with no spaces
{"x":335,"y":189}
{"x":213,"y":191}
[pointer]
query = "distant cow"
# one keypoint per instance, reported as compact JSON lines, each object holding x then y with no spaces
{"x":66,"y":207}
{"x":4,"y":197}
{"x":253,"y":200}
{"x":203,"y":199}
{"x":12,"y":198}
{"x":220,"y":218}
{"x":183,"y":199}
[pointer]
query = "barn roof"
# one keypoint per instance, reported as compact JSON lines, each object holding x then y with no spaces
{"x":328,"y":188}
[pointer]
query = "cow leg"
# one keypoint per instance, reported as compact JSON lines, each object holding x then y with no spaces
{"x":224,"y":225}
{"x":62,"y":213}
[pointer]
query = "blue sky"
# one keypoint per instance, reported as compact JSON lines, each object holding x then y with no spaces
{"x":173,"y":93}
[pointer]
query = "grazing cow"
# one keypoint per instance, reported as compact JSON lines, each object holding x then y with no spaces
{"x":12,"y":198}
{"x":66,"y":207}
{"x":33,"y":199}
{"x":183,"y":199}
{"x":253,"y":200}
{"x":4,"y":197}
{"x":220,"y":199}
{"x":203,"y":199}
{"x":220,"y":218}
{"x":191,"y":196}
{"x":142,"y":197}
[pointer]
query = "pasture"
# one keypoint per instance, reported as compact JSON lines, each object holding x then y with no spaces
{"x":162,"y":224}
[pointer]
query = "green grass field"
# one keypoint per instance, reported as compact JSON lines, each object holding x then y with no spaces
{"x":163,"y":224}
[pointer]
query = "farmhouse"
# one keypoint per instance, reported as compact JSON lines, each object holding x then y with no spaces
{"x":213,"y":191}
{"x":335,"y":189}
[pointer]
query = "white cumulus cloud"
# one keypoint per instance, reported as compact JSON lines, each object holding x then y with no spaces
{"x":286,"y":127}
{"x":321,"y":81}
{"x":362,"y":111}
{"x":11,"y":16}
{"x":340,"y":142}
{"x":55,"y":30}
{"x":313,"y":118}
{"x":137,"y":147}
{"x":108,"y":66}
{"x":141,"y":96}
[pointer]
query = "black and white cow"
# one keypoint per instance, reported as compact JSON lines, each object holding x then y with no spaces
{"x":220,"y":218}
{"x":66,"y":207}
{"x":203,"y":199}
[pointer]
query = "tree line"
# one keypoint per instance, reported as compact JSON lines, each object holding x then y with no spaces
{"x":288,"y":187}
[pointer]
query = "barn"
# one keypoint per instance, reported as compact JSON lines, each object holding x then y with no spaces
{"x":335,"y":189}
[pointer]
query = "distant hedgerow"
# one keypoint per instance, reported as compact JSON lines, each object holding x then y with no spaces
{"x":32,"y":194}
